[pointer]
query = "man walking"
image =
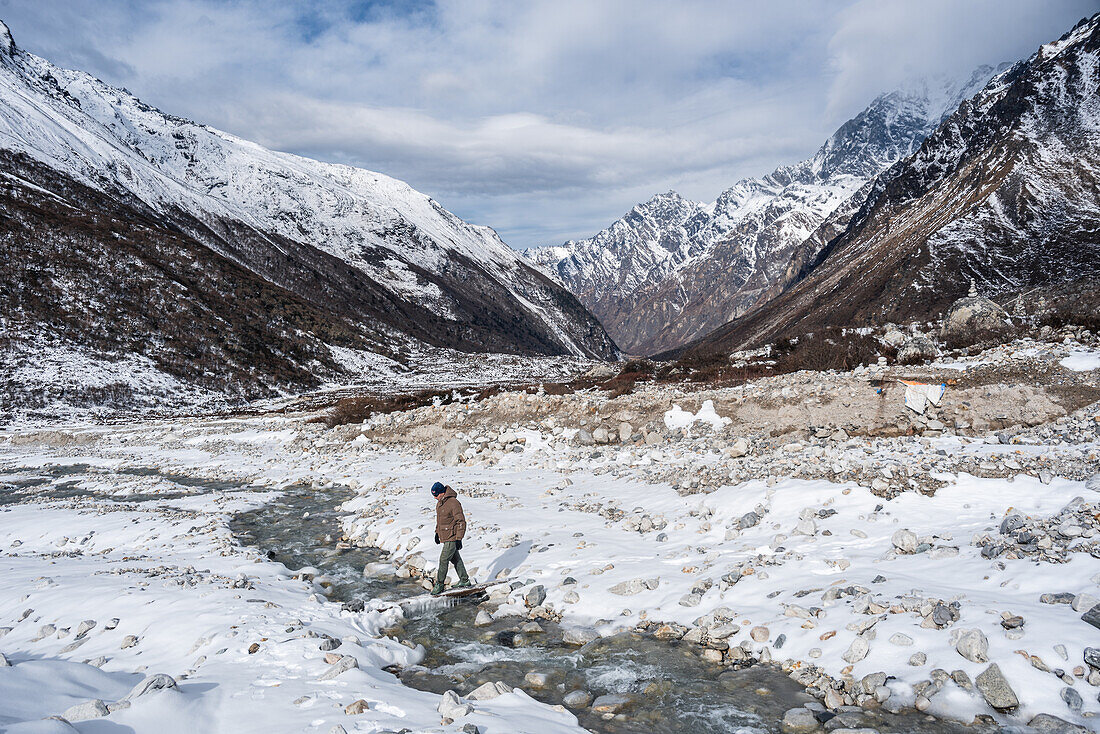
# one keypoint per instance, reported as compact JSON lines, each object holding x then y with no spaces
{"x":450,"y":528}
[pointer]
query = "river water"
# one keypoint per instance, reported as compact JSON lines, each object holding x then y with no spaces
{"x":675,"y":690}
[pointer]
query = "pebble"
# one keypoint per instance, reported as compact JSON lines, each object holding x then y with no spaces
{"x":760,"y":634}
{"x":901,"y":640}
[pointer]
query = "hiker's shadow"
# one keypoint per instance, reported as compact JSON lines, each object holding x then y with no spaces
{"x":509,"y":560}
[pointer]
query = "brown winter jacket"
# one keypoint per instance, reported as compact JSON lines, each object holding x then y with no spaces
{"x":450,"y":523}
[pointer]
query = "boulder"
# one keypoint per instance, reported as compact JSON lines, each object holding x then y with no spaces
{"x":155,"y":682}
{"x":451,"y":706}
{"x":905,"y":541}
{"x":996,"y":690}
{"x":974,"y":317}
{"x":973,"y":646}
{"x":579,"y":635}
{"x":489,"y":691}
{"x":1049,"y":724}
{"x":94,"y":709}
{"x":535,"y":596}
{"x":453,"y":451}
{"x":799,"y":721}
{"x":577,"y":699}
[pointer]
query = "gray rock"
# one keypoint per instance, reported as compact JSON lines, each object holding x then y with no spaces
{"x":905,"y":541}
{"x":577,"y":699}
{"x":470,"y":729}
{"x":1072,"y":698}
{"x":328,"y":644}
{"x":972,"y":317}
{"x":150,"y":683}
{"x":1049,"y":724}
{"x":453,"y":451}
{"x":857,"y":650}
{"x":489,"y":691}
{"x":342,"y":665}
{"x":973,"y":646}
{"x":579,"y":635}
{"x":1092,"y":657}
{"x":870,"y":683}
{"x":996,"y":690}
{"x":128,"y":641}
{"x":748,"y":520}
{"x":1061,"y":597}
{"x":799,"y":721}
{"x":900,"y":639}
{"x":918,"y":659}
{"x":1084,"y":602}
{"x":84,"y":627}
{"x":535,"y":596}
{"x":94,"y":709}
{"x":4,"y":661}
{"x":1092,"y":616}
{"x":943,"y":615}
{"x":451,"y":706}
{"x":584,"y":438}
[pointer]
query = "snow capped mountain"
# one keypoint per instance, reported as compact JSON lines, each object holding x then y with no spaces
{"x":1004,"y":192}
{"x":672,"y":270}
{"x":361,"y":247}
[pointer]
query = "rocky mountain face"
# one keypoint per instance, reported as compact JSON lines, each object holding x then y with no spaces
{"x":672,"y":270}
{"x":1004,"y":192}
{"x":127,"y":230}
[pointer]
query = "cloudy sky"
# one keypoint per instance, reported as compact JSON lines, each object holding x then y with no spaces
{"x":546,"y":120}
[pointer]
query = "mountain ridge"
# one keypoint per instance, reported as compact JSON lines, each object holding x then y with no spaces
{"x":709,"y":263}
{"x":1003,"y":193}
{"x":371,"y":255}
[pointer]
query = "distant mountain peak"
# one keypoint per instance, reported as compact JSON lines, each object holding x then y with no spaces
{"x":671,"y":269}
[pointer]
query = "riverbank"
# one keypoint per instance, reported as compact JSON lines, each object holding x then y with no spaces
{"x":127,"y":603}
{"x":884,"y":571}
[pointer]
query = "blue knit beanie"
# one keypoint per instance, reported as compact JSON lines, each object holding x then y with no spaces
{"x":438,"y":489}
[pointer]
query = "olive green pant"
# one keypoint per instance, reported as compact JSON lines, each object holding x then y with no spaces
{"x":449,"y":554}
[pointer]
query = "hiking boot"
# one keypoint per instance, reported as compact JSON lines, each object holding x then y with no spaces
{"x":464,"y":584}
{"x":437,"y":590}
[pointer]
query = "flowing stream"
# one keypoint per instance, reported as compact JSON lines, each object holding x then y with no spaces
{"x":675,"y":690}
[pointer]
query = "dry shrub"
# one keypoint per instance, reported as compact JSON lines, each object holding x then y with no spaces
{"x":829,"y":349}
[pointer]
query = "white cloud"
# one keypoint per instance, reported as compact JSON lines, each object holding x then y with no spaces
{"x":545,"y":119}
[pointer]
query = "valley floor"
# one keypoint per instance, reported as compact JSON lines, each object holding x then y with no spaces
{"x":948,"y":571}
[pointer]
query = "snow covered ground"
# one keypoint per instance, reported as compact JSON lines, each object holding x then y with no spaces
{"x":100,"y":595}
{"x":928,"y":589}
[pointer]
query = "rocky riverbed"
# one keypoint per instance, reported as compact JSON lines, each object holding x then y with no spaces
{"x":887,"y":560}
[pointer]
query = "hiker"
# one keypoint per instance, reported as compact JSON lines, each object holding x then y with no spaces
{"x":450,"y":528}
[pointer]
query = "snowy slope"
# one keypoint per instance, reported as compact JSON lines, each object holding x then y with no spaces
{"x":671,"y":269}
{"x":361,"y":245}
{"x":1003,"y":193}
